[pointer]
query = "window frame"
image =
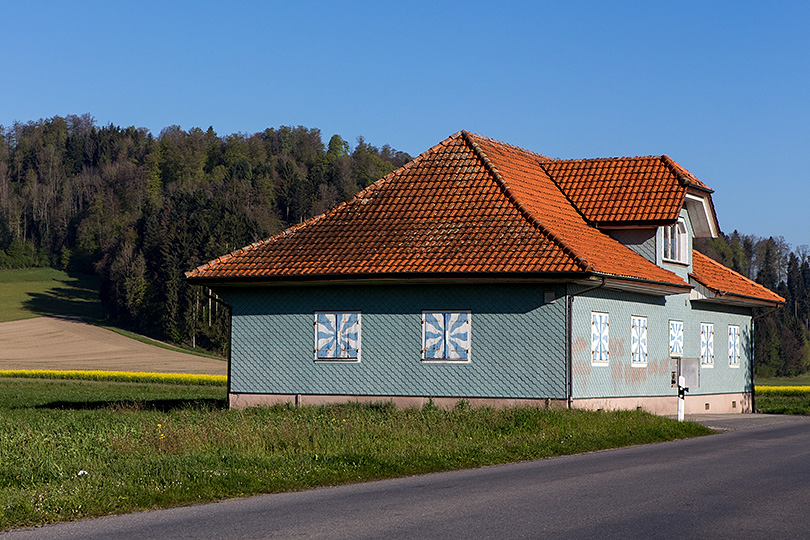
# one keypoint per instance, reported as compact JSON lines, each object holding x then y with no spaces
{"x":340,"y":359}
{"x":446,"y":338}
{"x":734,"y":346}
{"x":638,"y":344}
{"x":600,"y":338}
{"x":707,"y":345}
{"x":676,"y":244}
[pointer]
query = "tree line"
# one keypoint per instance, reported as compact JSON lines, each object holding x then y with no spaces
{"x":781,"y":338}
{"x":139,"y":210}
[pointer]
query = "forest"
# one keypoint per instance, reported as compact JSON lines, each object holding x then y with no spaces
{"x":140,"y":210}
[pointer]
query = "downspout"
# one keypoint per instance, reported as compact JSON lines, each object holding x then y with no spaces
{"x":751,"y":356}
{"x":570,"y":332}
{"x":230,"y":346}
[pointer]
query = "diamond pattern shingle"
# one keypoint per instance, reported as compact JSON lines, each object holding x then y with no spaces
{"x":474,"y":205}
{"x":724,"y":281}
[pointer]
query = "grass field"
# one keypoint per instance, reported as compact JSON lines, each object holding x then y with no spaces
{"x":783,"y":399}
{"x":801,"y":380}
{"x":72,"y":449}
{"x":34,"y":292}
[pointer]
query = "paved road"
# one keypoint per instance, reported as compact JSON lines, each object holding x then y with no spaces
{"x":750,"y":482}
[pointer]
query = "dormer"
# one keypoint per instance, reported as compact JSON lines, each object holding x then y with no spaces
{"x":650,"y":204}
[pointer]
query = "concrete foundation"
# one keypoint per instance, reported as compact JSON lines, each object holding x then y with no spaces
{"x":662,"y":405}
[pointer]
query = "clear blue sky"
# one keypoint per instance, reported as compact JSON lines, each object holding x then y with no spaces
{"x":721,"y":87}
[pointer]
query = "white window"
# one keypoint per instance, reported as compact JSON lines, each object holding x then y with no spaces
{"x":734,"y":346}
{"x":676,"y":338}
{"x":446,"y":335}
{"x":675,"y":243}
{"x":638,"y":341}
{"x":706,"y":345}
{"x":337,"y":336}
{"x":600,"y":338}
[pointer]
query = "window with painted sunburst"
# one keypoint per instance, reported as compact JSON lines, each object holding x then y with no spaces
{"x":638,"y":341}
{"x":600,"y":338}
{"x":734,"y":346}
{"x":446,"y":335}
{"x":337,"y":336}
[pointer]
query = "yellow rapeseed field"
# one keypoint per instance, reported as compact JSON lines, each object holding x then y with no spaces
{"x":783,"y":390}
{"x":118,"y":376}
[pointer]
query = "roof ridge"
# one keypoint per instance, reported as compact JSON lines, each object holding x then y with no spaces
{"x":490,"y":167}
{"x":686,"y":178}
{"x":501,"y":143}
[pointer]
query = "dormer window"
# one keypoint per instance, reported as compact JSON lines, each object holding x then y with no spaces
{"x":675,"y":243}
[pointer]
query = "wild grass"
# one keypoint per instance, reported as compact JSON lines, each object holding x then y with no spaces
{"x":71,"y":449}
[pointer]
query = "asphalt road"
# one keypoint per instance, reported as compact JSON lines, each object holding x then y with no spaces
{"x":750,"y":482}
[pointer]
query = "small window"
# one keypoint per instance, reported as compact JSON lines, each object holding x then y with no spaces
{"x":675,"y":243}
{"x":734,"y":346}
{"x":676,"y":338}
{"x":706,"y":345}
{"x":638,"y":341}
{"x":337,"y":336}
{"x":600,"y":338}
{"x":446,"y":335}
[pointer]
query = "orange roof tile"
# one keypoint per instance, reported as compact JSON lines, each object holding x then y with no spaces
{"x":624,"y":190}
{"x":724,"y":281}
{"x":468,"y":205}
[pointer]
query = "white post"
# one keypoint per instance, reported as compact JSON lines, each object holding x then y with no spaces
{"x":681,"y":394}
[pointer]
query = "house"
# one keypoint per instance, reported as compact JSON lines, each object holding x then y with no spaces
{"x":483,"y":271}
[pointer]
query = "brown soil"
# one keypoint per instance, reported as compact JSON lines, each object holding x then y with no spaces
{"x":50,"y":343}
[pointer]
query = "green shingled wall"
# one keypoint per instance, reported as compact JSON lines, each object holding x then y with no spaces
{"x":517,"y":347}
{"x":620,"y":378}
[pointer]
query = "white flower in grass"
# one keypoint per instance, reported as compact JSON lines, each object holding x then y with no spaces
{"x":82,"y":473}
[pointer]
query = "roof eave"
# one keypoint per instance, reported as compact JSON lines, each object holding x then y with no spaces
{"x":390,"y":278}
{"x":705,"y":293}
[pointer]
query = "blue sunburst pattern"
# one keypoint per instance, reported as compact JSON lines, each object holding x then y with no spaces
{"x":706,"y":344}
{"x":337,"y":336}
{"x":638,"y":340}
{"x":446,"y":335}
{"x":734,"y":345}
{"x":676,"y":338}
{"x":600,"y":338}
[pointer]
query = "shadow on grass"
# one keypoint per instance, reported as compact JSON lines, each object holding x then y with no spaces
{"x":160,"y":405}
{"x":74,"y":297}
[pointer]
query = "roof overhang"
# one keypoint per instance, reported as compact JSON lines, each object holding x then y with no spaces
{"x":702,"y":293}
{"x":656,"y":288}
{"x":621,"y":283}
{"x":701,"y":213}
{"x":399,"y":278}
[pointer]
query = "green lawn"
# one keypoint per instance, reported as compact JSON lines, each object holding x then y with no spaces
{"x":73,"y":449}
{"x":34,"y":292}
{"x":801,"y":380}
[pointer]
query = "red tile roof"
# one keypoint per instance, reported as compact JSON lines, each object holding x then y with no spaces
{"x":475,"y":206}
{"x":468,"y":205}
{"x":624,"y":190}
{"x":726,"y":282}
